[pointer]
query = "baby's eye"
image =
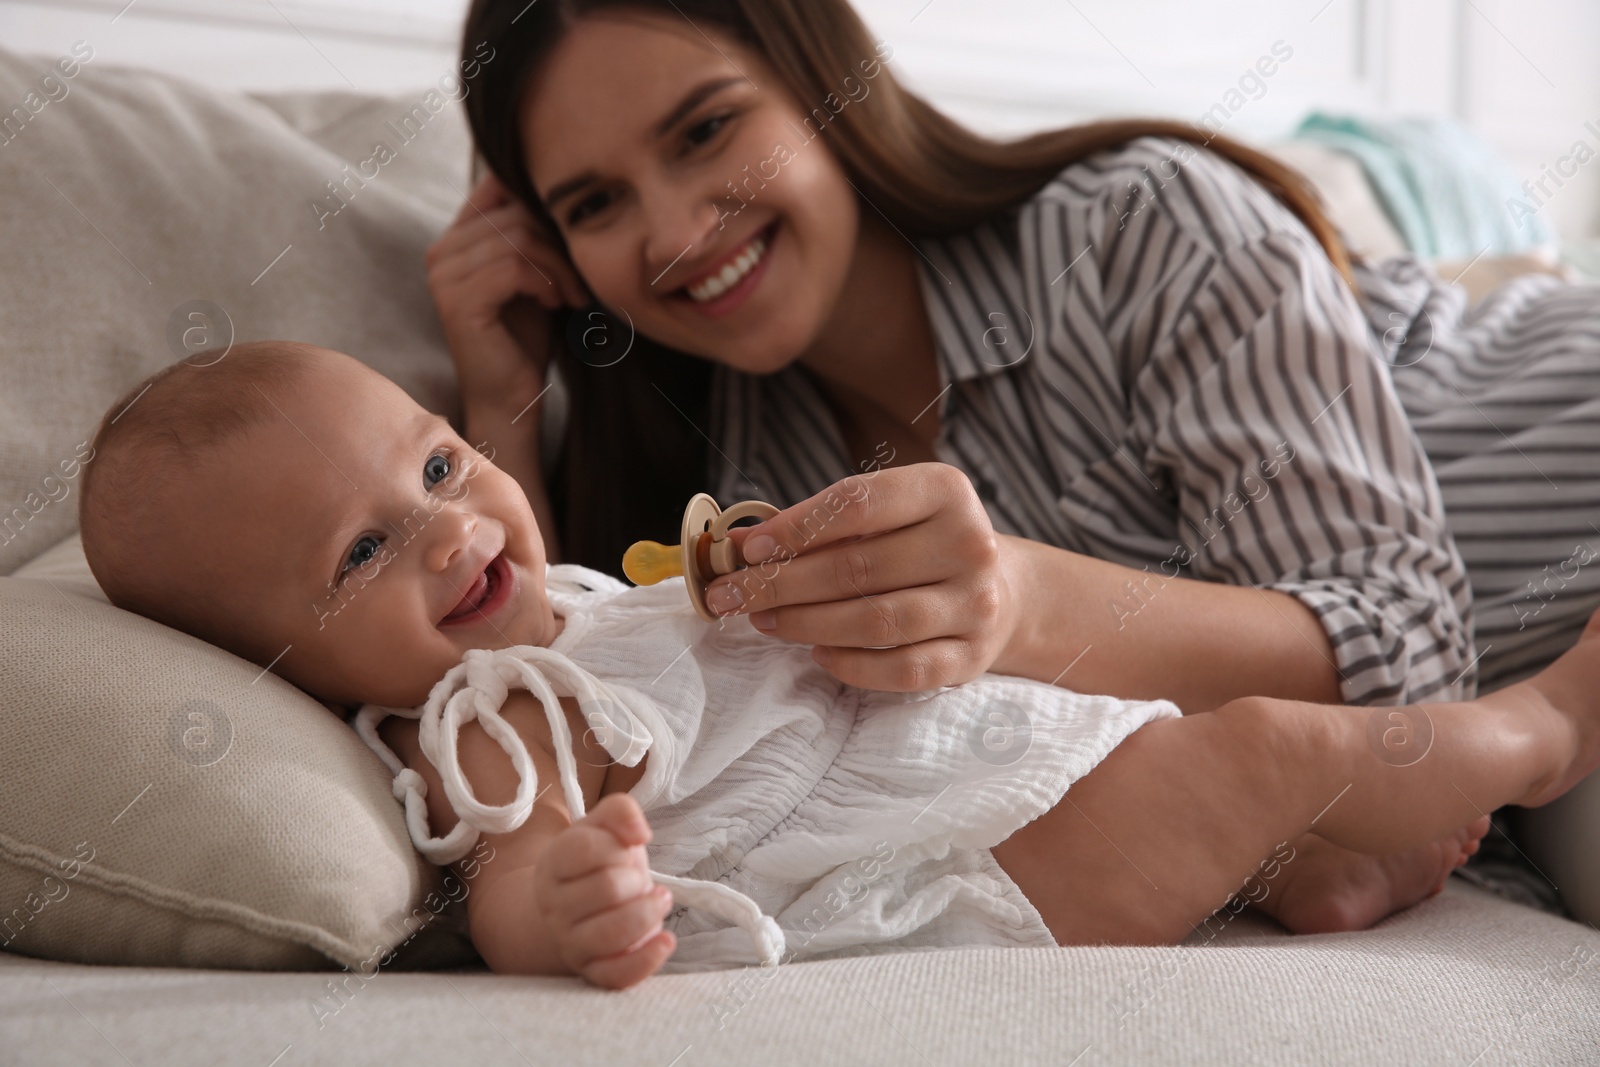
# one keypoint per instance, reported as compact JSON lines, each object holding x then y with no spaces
{"x":362,"y":552}
{"x":436,"y":470}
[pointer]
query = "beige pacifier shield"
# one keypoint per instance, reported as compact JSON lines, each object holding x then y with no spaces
{"x":698,"y":519}
{"x":702,"y":517}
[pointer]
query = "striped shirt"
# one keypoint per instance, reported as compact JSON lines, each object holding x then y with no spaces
{"x":1153,"y":362}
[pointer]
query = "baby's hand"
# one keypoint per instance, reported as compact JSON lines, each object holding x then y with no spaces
{"x":598,"y":902}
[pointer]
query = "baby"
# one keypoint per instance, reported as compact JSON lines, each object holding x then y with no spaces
{"x":298,"y":509}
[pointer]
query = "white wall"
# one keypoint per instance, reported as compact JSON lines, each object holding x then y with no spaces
{"x":367,"y":45}
{"x":1533,"y":85}
{"x":1523,"y":72}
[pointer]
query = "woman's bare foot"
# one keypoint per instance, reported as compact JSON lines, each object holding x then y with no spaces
{"x":1326,"y":889}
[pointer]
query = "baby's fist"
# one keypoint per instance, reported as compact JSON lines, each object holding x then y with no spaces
{"x":596,"y":897}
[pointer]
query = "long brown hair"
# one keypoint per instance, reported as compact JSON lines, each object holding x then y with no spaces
{"x":635,"y":449}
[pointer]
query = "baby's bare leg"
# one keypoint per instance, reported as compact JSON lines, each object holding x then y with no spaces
{"x":1175,"y":819}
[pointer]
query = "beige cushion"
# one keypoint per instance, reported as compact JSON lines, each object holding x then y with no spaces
{"x":232,"y":820}
{"x":1482,"y":276}
{"x":1349,"y":199}
{"x":169,"y":804}
{"x":136,"y":195}
{"x":1346,"y":194}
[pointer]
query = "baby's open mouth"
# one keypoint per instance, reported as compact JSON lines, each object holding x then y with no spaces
{"x":491,"y":589}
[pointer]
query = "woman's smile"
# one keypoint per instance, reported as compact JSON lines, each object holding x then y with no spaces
{"x":731,"y":281}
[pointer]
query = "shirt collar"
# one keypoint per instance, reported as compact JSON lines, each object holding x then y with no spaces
{"x":972,"y":339}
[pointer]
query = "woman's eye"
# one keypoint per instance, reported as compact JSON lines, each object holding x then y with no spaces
{"x":702,"y":132}
{"x":436,"y":470}
{"x":589,"y":205}
{"x":362,"y":552}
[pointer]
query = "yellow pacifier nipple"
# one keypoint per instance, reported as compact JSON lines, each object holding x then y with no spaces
{"x":704,"y":552}
{"x":649,"y":562}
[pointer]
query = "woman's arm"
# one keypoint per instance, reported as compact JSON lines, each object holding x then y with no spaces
{"x":943,"y":598}
{"x":1258,"y":407}
{"x":1199,"y":644}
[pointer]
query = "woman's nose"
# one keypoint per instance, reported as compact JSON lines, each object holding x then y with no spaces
{"x":681,"y":223}
{"x":451,"y":533}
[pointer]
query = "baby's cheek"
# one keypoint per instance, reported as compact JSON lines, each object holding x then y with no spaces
{"x":373,"y":658}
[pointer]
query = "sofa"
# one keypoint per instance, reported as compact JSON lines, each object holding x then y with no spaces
{"x":253,"y":903}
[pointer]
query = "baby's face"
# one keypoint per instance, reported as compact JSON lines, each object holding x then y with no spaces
{"x":359,"y":536}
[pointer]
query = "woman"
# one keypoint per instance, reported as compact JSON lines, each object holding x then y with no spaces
{"x":1172,"y":460}
{"x":1114,"y":459}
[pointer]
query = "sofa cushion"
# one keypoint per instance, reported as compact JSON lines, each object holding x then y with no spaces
{"x":164,"y":802}
{"x":145,"y":218}
{"x":169,"y":804}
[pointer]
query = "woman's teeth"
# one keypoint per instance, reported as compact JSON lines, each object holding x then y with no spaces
{"x":730,"y":275}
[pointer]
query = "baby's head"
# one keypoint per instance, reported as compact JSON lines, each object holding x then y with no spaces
{"x":298,"y":509}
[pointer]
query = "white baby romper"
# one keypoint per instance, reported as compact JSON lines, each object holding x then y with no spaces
{"x":860,"y":821}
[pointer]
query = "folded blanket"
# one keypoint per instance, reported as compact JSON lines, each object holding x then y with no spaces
{"x":1445,"y":189}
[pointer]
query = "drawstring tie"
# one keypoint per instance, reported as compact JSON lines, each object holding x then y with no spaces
{"x":476,"y":688}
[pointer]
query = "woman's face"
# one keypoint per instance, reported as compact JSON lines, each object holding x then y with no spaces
{"x":680,"y":171}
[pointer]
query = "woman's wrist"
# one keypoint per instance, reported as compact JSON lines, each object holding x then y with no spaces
{"x":1021,"y":629}
{"x":505,"y":400}
{"x":495,"y":370}
{"x":507,"y":437}
{"x":1050,"y":627}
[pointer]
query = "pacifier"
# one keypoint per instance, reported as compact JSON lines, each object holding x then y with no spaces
{"x":703,"y":553}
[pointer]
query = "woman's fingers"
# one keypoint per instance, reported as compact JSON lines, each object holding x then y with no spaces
{"x":848,"y":571}
{"x":898,"y":577}
{"x":482,"y":234}
{"x":860,"y":506}
{"x":889,"y":620}
{"x":934,"y":549}
{"x":476,"y":226}
{"x":469,"y":261}
{"x":903,"y":641}
{"x":512,"y":230}
{"x":484,"y":237}
{"x":912,"y":669}
{"x":487,"y":194}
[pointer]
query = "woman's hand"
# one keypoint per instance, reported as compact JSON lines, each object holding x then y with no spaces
{"x":593,"y":891}
{"x":492,"y":254}
{"x":897,"y":577}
